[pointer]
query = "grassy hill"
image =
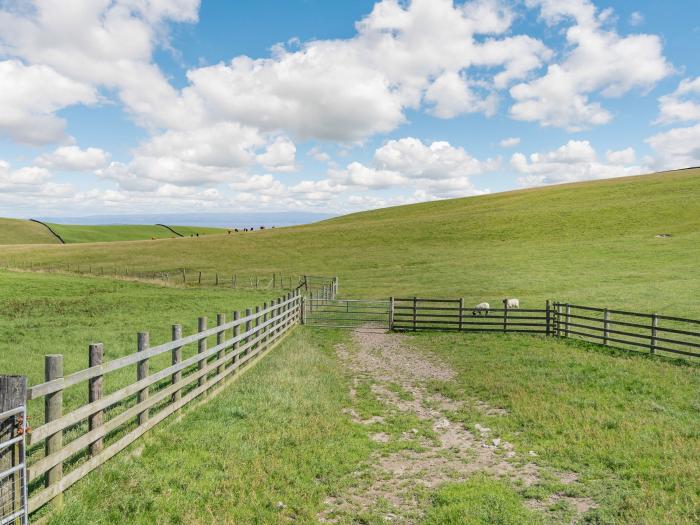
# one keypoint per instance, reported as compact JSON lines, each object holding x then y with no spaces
{"x":17,"y":231}
{"x":594,"y":242}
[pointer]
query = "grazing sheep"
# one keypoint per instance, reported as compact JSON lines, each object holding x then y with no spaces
{"x":481,"y":307}
{"x":511,"y":304}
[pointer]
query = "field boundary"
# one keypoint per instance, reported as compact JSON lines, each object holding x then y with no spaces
{"x":679,"y":336}
{"x":50,"y":229}
{"x":169,"y":228}
{"x":98,"y":430}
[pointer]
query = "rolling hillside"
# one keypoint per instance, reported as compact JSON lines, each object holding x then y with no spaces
{"x":17,"y":231}
{"x":594,"y":242}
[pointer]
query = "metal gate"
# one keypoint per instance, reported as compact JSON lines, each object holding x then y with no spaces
{"x":13,"y":470}
{"x":346,"y":313}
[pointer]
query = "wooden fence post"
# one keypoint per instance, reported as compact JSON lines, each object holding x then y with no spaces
{"x":248,"y":328}
{"x":568,"y":316}
{"x":415,"y":312}
{"x":274,"y":280}
{"x":176,"y":359}
{"x":266,"y":329}
{"x":13,"y":394}
{"x":654,"y":326}
{"x":201,"y":348}
{"x":505,"y":315}
{"x":220,"y":338}
{"x":184,"y":276}
{"x":461,"y":312}
{"x":200,"y":278}
{"x":257,"y":324}
{"x":606,"y":327}
{"x":142,"y":373}
{"x":53,"y":409}
{"x":96,"y":420}
{"x":217,"y":279}
{"x":236,"y":330}
{"x":391,"y":313}
{"x":548,"y":329}
{"x":311,"y":302}
{"x":303,"y":310}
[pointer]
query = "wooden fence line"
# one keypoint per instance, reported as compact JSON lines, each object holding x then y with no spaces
{"x":556,"y":318}
{"x":141,"y":405}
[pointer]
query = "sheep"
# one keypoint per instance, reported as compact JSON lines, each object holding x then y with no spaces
{"x":481,"y":307}
{"x":511,"y":304}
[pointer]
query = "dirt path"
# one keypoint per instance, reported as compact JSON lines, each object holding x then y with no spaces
{"x":395,"y":483}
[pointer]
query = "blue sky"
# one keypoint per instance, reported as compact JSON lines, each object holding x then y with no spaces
{"x":120,"y":106}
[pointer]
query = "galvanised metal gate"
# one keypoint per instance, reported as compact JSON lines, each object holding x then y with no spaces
{"x":13,"y":469}
{"x":346,"y":313}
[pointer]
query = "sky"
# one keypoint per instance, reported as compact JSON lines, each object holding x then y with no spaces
{"x":173,"y":106}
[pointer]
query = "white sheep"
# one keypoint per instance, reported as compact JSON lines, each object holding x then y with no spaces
{"x":511,"y":304}
{"x":481,"y":307}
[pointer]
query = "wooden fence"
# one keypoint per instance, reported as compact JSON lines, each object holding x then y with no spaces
{"x":67,"y":446}
{"x":658,"y":334}
{"x":450,"y":314}
{"x":654,"y":333}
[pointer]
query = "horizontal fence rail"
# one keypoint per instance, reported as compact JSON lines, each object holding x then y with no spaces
{"x":74,"y":440}
{"x":415,"y":313}
{"x":654,"y":333}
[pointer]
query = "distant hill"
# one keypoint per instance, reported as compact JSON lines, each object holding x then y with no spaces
{"x":17,"y":231}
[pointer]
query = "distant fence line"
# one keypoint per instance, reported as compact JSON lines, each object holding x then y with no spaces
{"x":610,"y":327}
{"x":188,"y":277}
{"x":65,"y":447}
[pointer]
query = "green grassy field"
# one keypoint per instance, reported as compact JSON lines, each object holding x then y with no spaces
{"x":591,"y":242}
{"x":16,"y":231}
{"x":73,"y":234}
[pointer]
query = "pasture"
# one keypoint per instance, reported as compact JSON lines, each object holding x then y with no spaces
{"x":423,"y":428}
{"x":592,"y":243}
{"x":17,"y":231}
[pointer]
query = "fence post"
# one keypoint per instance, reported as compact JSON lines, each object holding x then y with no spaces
{"x":217,"y":279}
{"x":176,"y":359}
{"x":274,"y":280}
{"x":266,"y":329}
{"x":257,"y":324}
{"x":248,"y":328}
{"x":311,"y":302}
{"x":220,"y":338}
{"x":13,"y":394}
{"x":184,"y":276}
{"x":53,"y":409}
{"x":654,"y":326}
{"x":606,"y":326}
{"x":505,"y":315}
{"x":200,"y":278}
{"x":415,"y":311}
{"x":391,"y":313}
{"x":201,"y":348}
{"x":236,"y":330}
{"x":461,"y":312}
{"x":547,"y":329}
{"x":233,"y":281}
{"x":96,"y":420}
{"x":303,"y":310}
{"x":142,"y":373}
{"x":566,"y":325}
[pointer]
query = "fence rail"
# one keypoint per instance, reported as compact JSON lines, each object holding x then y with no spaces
{"x":67,"y":446}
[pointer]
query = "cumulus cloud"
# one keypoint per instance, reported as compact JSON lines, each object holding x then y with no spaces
{"x":574,"y":161}
{"x":72,"y":158}
{"x":280,"y":155}
{"x":600,"y":62}
{"x":29,"y":97}
{"x":681,"y":105}
{"x":677,"y":148}
{"x":510,"y":142}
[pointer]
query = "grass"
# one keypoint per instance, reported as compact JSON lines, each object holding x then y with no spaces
{"x":58,"y":314}
{"x":591,"y":243}
{"x":75,"y":234}
{"x":268,"y":449}
{"x":626,"y":424}
{"x":16,"y":231}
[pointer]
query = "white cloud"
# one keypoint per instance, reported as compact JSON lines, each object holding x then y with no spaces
{"x":636,"y":19}
{"x":279,"y":156}
{"x":600,"y":62}
{"x":29,"y":97}
{"x":574,"y":161}
{"x":681,"y":105}
{"x":677,"y":148}
{"x":319,"y":154}
{"x":510,"y":142}
{"x":72,"y":158}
